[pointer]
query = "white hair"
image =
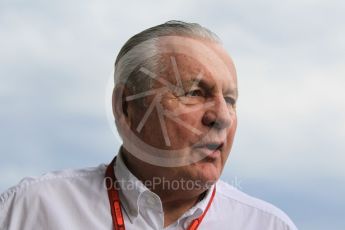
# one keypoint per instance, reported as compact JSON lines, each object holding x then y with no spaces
{"x":142,"y":50}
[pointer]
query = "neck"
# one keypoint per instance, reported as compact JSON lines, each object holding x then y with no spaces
{"x":175,"y":202}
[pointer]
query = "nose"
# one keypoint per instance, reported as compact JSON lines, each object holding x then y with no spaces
{"x":220,"y":115}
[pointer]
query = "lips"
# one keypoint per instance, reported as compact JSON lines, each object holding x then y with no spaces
{"x":213,"y":146}
{"x":211,"y":150}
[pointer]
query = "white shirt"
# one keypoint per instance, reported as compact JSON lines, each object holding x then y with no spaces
{"x":77,"y":199}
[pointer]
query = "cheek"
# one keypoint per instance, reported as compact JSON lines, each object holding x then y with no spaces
{"x":183,"y":134}
{"x":181,"y":127}
{"x":192,"y":118}
{"x":151,"y":132}
{"x":231,"y":133}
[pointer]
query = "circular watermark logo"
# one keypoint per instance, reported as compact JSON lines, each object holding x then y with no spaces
{"x":166,"y":128}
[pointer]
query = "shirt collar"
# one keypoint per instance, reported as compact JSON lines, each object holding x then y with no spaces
{"x":198,"y":209}
{"x":132,"y":189}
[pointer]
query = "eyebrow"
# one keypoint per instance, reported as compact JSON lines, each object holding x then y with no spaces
{"x":197,"y":81}
{"x":232,"y":91}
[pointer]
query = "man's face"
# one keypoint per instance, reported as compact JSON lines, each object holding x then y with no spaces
{"x":192,"y":112}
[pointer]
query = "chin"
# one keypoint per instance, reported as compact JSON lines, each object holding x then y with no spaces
{"x":208,"y":172}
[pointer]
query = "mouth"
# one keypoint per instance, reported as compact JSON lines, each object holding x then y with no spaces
{"x":214,"y":146}
{"x":211,"y":150}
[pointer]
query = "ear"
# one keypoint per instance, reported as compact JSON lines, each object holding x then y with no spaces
{"x":120,"y":105}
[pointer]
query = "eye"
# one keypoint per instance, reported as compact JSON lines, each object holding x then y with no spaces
{"x":195,"y":93}
{"x":193,"y":97}
{"x":231,"y":101}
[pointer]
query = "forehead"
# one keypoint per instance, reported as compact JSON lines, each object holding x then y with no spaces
{"x":188,"y":59}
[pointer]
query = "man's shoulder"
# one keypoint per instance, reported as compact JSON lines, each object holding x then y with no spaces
{"x":230,"y":196}
{"x":54,"y":199}
{"x":229,"y":192}
{"x":53,"y":181}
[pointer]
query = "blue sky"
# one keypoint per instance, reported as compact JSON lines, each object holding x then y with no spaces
{"x":56,"y":62}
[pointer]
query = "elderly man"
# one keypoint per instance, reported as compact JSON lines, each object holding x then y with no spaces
{"x":174,"y":104}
